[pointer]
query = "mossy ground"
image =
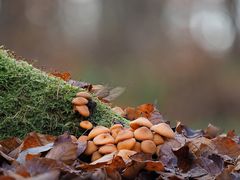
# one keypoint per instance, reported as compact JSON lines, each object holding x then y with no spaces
{"x":31,"y":100}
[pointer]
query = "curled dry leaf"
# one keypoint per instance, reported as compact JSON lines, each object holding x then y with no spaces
{"x":148,"y":111}
{"x":188,"y":132}
{"x":34,"y":139}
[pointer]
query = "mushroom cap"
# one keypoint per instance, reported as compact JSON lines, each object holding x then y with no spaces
{"x":104,"y":138}
{"x":123,"y":135}
{"x":141,"y":121}
{"x":83,"y":110}
{"x":84,"y":95}
{"x":126,"y":144}
{"x":86,"y":125}
{"x":114,"y":132}
{"x":107,"y":149}
{"x":115,"y":129}
{"x":137,"y":147}
{"x":157,"y":139}
{"x":78,"y":101}
{"x":148,"y":146}
{"x":82,"y":138}
{"x":91,"y":148}
{"x":163,"y":129}
{"x":118,"y":111}
{"x":116,"y":126}
{"x":143,"y":133}
{"x":125,"y":154}
{"x":95,"y":156}
{"x":97,"y":130}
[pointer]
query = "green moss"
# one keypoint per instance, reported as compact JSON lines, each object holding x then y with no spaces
{"x":31,"y":100}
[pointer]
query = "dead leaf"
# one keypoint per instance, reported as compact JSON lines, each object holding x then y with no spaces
{"x":148,"y":111}
{"x":65,"y":152}
{"x":185,"y":158}
{"x":188,"y":132}
{"x":211,"y":131}
{"x":227,"y":146}
{"x":34,"y":139}
{"x":39,"y":166}
{"x":62,"y":75}
{"x":10,"y":144}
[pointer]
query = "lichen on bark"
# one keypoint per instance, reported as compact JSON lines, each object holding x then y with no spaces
{"x":31,"y":100}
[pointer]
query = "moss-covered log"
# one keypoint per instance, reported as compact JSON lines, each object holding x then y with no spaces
{"x":31,"y":100}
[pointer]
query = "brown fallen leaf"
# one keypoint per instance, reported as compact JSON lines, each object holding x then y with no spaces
{"x":227,"y":146}
{"x":185,"y":159}
{"x":188,"y":132}
{"x":10,"y":144}
{"x":65,"y":152}
{"x":34,"y":139}
{"x":148,"y":111}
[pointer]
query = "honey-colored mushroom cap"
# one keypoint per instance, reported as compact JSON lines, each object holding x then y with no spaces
{"x":143,"y":133}
{"x":157,"y":139}
{"x":91,"y":148}
{"x":164,"y":130}
{"x":95,"y":156}
{"x":84,"y":94}
{"x":141,"y":121}
{"x":104,"y":138}
{"x":115,"y":129}
{"x":85,"y":125}
{"x":116,"y":126}
{"x":126,"y":144}
{"x":83,"y":110}
{"x":137,"y":147}
{"x":148,"y":146}
{"x":97,"y":130}
{"x":107,"y":149}
{"x":123,"y":135}
{"x":78,"y":101}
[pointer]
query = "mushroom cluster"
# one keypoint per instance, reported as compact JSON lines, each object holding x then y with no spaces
{"x":141,"y":136}
{"x":80,"y":103}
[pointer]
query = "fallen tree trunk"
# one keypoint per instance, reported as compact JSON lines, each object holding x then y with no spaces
{"x":31,"y":100}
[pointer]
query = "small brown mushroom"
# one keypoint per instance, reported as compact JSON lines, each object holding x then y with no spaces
{"x":95,"y":156}
{"x":83,"y":110}
{"x":107,"y":149}
{"x":78,"y":101}
{"x":157,"y":139}
{"x":84,"y":95}
{"x":141,"y":121}
{"x":116,"y":126}
{"x":104,"y":138}
{"x":118,"y":111}
{"x":97,"y":130}
{"x":91,"y":148}
{"x":163,"y":129}
{"x":82,"y":138}
{"x":148,"y":146}
{"x":126,"y":144}
{"x":115,"y":129}
{"x":143,"y":133}
{"x":137,"y":147}
{"x":86,"y":125}
{"x":123,"y":135}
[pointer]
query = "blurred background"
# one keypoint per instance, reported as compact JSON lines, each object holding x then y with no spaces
{"x":184,"y":55}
